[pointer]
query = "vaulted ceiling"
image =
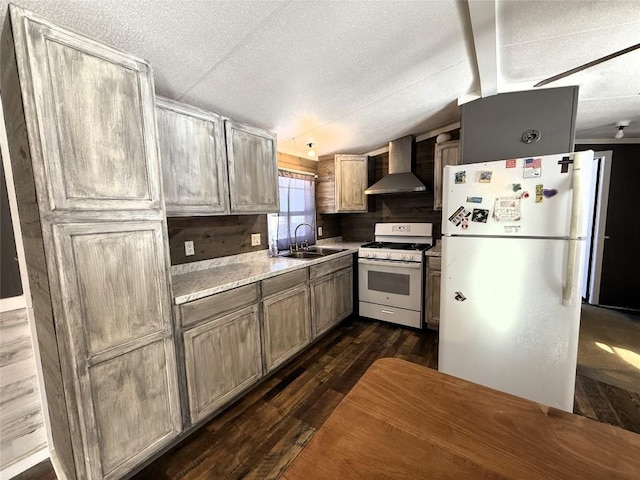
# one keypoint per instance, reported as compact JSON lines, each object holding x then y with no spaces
{"x":351,"y":75}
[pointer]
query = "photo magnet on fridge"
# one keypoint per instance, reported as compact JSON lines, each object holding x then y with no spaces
{"x":511,"y":163}
{"x":480,"y":215}
{"x":461,"y":177}
{"x":485,"y":176}
{"x":532,"y":168}
{"x":539,"y":188}
{"x":474,"y":199}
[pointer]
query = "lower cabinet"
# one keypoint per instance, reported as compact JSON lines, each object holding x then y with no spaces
{"x":222,"y":358}
{"x":331,"y":299}
{"x":433,"y":292}
{"x":344,"y":293}
{"x":323,"y":304}
{"x":231,"y":339}
{"x":287,"y":325}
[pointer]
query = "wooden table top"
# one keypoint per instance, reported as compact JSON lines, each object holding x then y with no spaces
{"x":406,"y":421}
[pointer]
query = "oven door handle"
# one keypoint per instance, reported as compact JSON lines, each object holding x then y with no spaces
{"x":389,"y":263}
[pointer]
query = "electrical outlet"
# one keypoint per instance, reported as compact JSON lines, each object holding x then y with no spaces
{"x":319,"y":231}
{"x":255,"y":239}
{"x":188,"y":248}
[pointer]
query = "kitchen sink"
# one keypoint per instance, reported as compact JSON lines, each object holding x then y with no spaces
{"x":312,"y":252}
{"x":303,"y":255}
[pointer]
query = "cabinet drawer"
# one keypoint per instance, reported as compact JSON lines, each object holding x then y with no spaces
{"x":286,"y":281}
{"x":434,"y":262}
{"x":215,"y":305}
{"x":330,"y":266}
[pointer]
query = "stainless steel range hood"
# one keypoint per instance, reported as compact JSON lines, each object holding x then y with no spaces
{"x":400,"y":178}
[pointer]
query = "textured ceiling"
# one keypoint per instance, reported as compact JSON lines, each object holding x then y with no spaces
{"x":540,"y":39}
{"x":350,"y":76}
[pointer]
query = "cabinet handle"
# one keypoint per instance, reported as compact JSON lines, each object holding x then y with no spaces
{"x":387,"y":311}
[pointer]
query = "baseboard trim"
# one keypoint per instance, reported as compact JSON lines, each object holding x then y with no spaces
{"x":24,"y":464}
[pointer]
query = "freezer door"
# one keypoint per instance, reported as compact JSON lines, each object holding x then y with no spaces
{"x":502,"y":321}
{"x":517,"y":197}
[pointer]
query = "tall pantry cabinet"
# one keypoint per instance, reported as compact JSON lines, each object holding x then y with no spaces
{"x":81,"y":125}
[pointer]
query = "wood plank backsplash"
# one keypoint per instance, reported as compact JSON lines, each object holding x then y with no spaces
{"x":401,"y":207}
{"x":215,"y":237}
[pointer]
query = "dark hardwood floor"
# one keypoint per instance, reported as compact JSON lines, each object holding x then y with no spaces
{"x":258,"y":436}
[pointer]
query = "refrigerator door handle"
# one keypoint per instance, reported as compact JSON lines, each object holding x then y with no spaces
{"x":576,"y":200}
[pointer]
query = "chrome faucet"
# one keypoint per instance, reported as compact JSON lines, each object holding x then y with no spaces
{"x":295,"y":235}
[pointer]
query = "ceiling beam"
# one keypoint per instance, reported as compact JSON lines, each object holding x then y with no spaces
{"x":485,"y":42}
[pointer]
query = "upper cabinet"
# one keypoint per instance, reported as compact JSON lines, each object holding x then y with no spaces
{"x":447,"y":153}
{"x":94,"y":119}
{"x":253,"y":169}
{"x":194,"y":160}
{"x":213,"y":166}
{"x":342,"y":180}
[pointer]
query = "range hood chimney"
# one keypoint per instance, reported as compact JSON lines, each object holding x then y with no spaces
{"x":400,"y":178}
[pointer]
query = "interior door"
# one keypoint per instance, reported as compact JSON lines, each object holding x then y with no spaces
{"x":617,"y":284}
{"x":598,"y":191}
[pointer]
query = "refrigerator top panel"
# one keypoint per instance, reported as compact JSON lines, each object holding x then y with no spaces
{"x":520,"y":197}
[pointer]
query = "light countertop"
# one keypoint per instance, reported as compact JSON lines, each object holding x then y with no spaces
{"x":243,"y":270}
{"x":434,"y":251}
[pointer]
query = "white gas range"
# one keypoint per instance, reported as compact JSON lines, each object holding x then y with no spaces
{"x":391,"y":273}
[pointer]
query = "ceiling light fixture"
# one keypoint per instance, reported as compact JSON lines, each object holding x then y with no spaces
{"x":621,"y":124}
{"x":311,"y":151}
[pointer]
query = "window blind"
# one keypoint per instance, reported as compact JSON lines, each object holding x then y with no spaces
{"x":297,"y":205}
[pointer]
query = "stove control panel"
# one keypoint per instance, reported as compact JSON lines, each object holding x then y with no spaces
{"x":395,"y":255}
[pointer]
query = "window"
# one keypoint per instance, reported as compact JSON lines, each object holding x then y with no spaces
{"x":297,"y":205}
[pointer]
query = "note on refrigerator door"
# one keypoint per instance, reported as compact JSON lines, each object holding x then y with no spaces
{"x":507,"y":209}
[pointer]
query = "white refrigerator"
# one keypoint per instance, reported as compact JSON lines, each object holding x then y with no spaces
{"x":513,"y":246}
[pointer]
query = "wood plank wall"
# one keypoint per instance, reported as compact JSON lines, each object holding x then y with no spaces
{"x":22,"y":430}
{"x":215,"y":237}
{"x":401,"y":207}
{"x":297,"y":163}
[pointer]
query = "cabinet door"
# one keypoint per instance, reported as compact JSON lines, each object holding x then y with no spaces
{"x":95,"y":123}
{"x":351,"y":182}
{"x":433,"y":297}
{"x":323,"y":304}
{"x":194,"y":160}
{"x":287,"y":325}
{"x":222,"y":358}
{"x":116,"y":314}
{"x":344,"y":293}
{"x":447,"y":153}
{"x":253,"y":169}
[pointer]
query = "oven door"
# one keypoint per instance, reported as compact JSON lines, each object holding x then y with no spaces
{"x":395,"y":284}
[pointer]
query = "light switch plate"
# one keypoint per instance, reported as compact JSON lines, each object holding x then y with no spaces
{"x":188,"y":248}
{"x":319,"y":231}
{"x":255,"y":239}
